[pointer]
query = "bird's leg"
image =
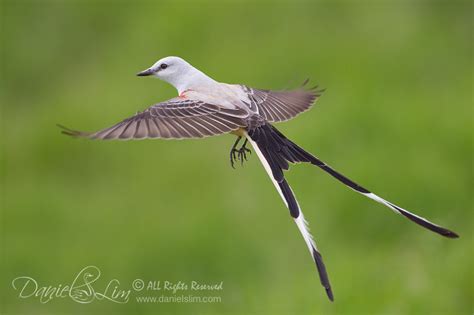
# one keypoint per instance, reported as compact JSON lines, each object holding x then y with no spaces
{"x":242,"y":152}
{"x":233,"y":151}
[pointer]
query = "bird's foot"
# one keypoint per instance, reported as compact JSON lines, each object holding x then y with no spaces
{"x":239,"y":154}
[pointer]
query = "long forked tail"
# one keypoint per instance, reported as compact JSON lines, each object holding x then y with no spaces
{"x":275,"y":151}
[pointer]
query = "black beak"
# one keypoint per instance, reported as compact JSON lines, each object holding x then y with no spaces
{"x":145,"y":73}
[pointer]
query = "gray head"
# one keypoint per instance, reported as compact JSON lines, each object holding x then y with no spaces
{"x":176,"y":71}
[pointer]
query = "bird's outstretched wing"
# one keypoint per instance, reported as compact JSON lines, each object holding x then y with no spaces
{"x":277,"y":106}
{"x":176,"y":118}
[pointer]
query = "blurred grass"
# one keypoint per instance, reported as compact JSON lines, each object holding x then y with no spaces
{"x":396,"y":117}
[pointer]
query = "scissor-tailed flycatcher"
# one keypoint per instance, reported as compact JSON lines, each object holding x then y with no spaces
{"x":206,"y":107}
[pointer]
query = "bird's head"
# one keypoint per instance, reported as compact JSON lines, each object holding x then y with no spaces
{"x":177,"y":72}
{"x":168,"y":69}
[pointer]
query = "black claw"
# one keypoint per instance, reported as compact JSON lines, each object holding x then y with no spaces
{"x":232,"y":159}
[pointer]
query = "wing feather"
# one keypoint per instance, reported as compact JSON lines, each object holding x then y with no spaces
{"x":174,"y":119}
{"x":277,"y":106}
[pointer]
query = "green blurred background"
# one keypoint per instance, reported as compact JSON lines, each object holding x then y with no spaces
{"x":396,"y":117}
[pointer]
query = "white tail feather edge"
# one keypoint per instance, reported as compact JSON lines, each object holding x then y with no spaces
{"x":391,"y":206}
{"x":300,"y":220}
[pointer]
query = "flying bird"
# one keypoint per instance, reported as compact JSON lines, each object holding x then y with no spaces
{"x":205,"y":107}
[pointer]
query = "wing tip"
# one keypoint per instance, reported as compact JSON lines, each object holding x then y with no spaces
{"x":305,"y":82}
{"x":315,"y":89}
{"x":72,"y":133}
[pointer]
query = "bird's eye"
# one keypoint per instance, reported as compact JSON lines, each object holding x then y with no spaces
{"x":163,"y":66}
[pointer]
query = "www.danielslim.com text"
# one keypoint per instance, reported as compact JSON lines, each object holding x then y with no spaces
{"x":178,"y":299}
